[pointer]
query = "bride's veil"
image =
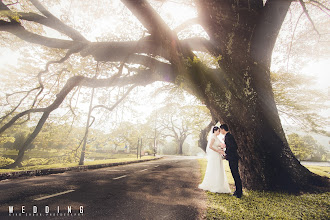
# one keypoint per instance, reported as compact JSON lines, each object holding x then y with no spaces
{"x":209,"y":136}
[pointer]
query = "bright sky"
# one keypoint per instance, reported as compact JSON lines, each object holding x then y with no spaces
{"x":321,"y":71}
{"x":7,"y":57}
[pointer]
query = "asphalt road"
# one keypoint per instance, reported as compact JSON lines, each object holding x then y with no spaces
{"x":159,"y":189}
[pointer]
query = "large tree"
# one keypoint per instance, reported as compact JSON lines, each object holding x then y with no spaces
{"x":241,"y":35}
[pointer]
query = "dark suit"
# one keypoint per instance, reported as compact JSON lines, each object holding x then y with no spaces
{"x":232,"y":157}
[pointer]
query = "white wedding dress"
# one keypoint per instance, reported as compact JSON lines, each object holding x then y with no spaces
{"x":215,"y":179}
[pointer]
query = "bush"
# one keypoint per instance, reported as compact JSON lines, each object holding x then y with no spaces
{"x":5,"y":161}
{"x":35,"y":161}
{"x":148,"y":152}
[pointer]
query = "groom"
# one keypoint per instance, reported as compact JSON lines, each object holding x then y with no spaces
{"x":232,"y":157}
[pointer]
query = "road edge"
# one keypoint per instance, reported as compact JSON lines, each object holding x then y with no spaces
{"x":42,"y":172}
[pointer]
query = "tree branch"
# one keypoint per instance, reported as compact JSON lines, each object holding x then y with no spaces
{"x":185,"y":24}
{"x":19,"y":31}
{"x":73,"y":50}
{"x":58,"y":24}
{"x":118,"y":101}
{"x":287,"y":63}
{"x":159,"y":31}
{"x":53,"y":23}
{"x":14,"y":109}
{"x":309,"y":17}
{"x":18,"y":116}
{"x":198,"y":44}
{"x":320,"y":4}
{"x":148,"y":17}
{"x":13,"y":3}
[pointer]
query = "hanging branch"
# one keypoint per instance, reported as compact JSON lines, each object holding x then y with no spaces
{"x":41,"y":86}
{"x":70,"y":101}
{"x":320,"y":4}
{"x":58,"y":24}
{"x":75,"y":49}
{"x":14,"y":93}
{"x":303,"y":5}
{"x":321,"y":7}
{"x":20,"y":102}
{"x":287,"y":63}
{"x":118,"y":102}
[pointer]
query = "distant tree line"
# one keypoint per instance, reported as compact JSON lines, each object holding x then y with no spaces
{"x":306,"y":148}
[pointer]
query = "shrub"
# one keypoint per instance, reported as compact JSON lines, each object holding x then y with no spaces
{"x":5,"y":161}
{"x":35,"y":161}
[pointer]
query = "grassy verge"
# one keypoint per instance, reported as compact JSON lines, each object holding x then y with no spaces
{"x":322,"y":171}
{"x":267,"y":205}
{"x":63,"y":165}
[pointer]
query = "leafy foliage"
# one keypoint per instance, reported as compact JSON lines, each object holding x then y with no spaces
{"x":5,"y":161}
{"x":307,"y":148}
{"x":297,"y":101}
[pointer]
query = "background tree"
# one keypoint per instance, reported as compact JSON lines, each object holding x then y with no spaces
{"x":300,"y":149}
{"x":178,"y":122}
{"x":306,"y":148}
{"x":296,"y":100}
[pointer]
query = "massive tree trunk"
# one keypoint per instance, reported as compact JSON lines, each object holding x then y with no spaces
{"x":241,"y":94}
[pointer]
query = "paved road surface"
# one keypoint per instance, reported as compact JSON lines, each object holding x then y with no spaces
{"x":160,"y":189}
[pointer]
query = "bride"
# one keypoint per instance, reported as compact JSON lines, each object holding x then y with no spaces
{"x":215,"y":179}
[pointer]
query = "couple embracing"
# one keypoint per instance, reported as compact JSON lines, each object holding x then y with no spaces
{"x":215,"y":179}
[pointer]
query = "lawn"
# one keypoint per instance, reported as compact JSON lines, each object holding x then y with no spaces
{"x":267,"y":205}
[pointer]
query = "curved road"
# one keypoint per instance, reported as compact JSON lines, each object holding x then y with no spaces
{"x":159,"y":189}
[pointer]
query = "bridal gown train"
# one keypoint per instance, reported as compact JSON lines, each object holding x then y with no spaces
{"x":215,"y":179}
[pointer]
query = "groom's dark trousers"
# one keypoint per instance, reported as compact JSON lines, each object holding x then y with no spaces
{"x":233,"y":164}
{"x":232,"y":157}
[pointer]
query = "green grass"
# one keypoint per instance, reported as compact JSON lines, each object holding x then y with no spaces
{"x":322,"y":171}
{"x":117,"y":160}
{"x":267,"y":205}
{"x":63,"y":165}
{"x":105,"y":156}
